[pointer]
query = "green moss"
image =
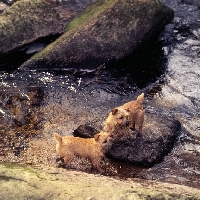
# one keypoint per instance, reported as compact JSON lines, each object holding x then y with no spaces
{"x":89,"y":13}
{"x":11,"y":165}
{"x":83,"y":18}
{"x":22,"y":181}
{"x":25,"y":168}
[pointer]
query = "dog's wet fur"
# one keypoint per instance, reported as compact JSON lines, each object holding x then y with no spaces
{"x":122,"y":120}
{"x":69,"y":147}
{"x":136,"y":112}
{"x":117,"y":123}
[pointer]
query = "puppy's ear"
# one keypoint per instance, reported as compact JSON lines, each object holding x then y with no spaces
{"x":96,"y":137}
{"x":140,"y":98}
{"x":58,"y":138}
{"x":114,"y":111}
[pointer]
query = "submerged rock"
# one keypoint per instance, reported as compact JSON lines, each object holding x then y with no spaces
{"x":25,"y":21}
{"x":106,"y":31}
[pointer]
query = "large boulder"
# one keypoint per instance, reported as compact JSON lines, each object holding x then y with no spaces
{"x":25,"y":21}
{"x":106,"y":31}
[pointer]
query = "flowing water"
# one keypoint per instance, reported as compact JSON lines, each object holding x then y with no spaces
{"x":37,"y":103}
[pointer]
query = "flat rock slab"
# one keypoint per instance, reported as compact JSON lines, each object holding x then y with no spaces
{"x":105,"y":32}
{"x":31,"y":182}
{"x":25,"y":21}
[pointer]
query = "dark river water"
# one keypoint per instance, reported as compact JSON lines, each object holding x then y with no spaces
{"x":37,"y":103}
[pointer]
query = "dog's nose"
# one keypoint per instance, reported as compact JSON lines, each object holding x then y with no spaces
{"x":127,"y":123}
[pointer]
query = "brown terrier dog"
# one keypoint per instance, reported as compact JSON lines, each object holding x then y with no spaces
{"x":123,"y":119}
{"x":117,"y":124}
{"x":136,"y":112}
{"x":69,"y":147}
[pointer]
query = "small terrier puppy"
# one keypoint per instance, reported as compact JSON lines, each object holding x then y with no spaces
{"x":136,"y":112}
{"x":69,"y":147}
{"x":117,"y":123}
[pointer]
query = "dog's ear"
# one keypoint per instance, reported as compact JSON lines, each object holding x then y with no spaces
{"x":114,"y":111}
{"x":140,"y":98}
{"x":58,"y":138}
{"x":96,"y":137}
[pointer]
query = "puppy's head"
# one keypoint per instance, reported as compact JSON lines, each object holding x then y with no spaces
{"x":102,"y":139}
{"x":118,"y":117}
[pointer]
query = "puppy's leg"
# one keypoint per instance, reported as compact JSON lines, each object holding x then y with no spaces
{"x":140,"y":129}
{"x":140,"y":120}
{"x":133,"y":119}
{"x":96,"y":164}
{"x":133,"y":122}
{"x":68,"y":159}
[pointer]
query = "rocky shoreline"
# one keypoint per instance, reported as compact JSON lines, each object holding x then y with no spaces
{"x":39,"y":182}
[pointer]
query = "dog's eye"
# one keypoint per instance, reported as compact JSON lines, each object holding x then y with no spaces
{"x":121,"y":117}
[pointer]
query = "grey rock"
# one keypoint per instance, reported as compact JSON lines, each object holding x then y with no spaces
{"x":105,"y":32}
{"x":25,"y":21}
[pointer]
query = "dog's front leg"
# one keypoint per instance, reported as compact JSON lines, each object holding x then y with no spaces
{"x":96,"y":164}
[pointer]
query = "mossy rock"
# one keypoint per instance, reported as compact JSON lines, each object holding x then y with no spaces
{"x":25,"y":21}
{"x":105,"y":32}
{"x":31,"y":182}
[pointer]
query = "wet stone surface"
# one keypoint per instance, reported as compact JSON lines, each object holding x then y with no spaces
{"x":158,"y":138}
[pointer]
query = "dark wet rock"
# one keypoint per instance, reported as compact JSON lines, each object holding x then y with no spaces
{"x":85,"y":131}
{"x":25,"y":21}
{"x":157,"y":140}
{"x":105,"y":32}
